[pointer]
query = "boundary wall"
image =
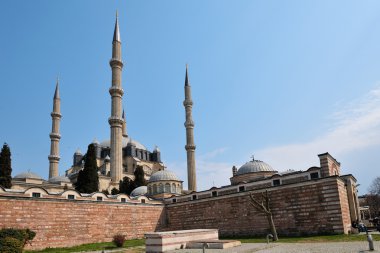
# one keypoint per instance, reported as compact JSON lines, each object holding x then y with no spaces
{"x":65,"y":223}
{"x":313,"y":207}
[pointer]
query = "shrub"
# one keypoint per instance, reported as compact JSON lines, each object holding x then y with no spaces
{"x":14,"y":240}
{"x":119,"y":240}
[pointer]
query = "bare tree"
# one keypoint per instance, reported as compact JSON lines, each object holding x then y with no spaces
{"x":372,"y":200}
{"x":374,"y":189}
{"x":264,"y":207}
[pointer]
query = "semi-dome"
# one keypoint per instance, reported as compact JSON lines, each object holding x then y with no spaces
{"x":59,"y":179}
{"x":254,"y":166}
{"x":28,"y":174}
{"x":125,"y":141}
{"x":139,"y":191}
{"x":163,"y":175}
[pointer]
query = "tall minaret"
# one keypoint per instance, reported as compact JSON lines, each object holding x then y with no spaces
{"x":125,"y":133}
{"x":190,"y":146}
{"x":116,"y":121}
{"x":54,"y":135}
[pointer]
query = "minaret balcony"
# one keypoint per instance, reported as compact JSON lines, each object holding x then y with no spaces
{"x":55,"y":136}
{"x":190,"y":147}
{"x":116,"y":62}
{"x":54,"y":158}
{"x":115,"y":121}
{"x":116,"y":91}
{"x":188,"y":103}
{"x":189,"y":123}
{"x":56,"y":115}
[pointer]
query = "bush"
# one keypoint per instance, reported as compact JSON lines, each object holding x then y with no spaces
{"x":119,"y":240}
{"x":14,"y":240}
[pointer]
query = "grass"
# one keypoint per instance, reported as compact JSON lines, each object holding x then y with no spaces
{"x":319,"y":238}
{"x":92,"y":247}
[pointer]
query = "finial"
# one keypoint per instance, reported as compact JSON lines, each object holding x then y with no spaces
{"x":116,"y":33}
{"x":187,"y":76}
{"x":253,"y":157}
{"x":56,"y":93}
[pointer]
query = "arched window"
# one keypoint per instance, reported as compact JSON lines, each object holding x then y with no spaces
{"x":154,"y":189}
{"x":160,"y":188}
{"x":149,"y":190}
{"x":174,"y":188}
{"x":167,"y":187}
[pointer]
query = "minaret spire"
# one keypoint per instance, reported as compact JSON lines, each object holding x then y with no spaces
{"x":116,"y":121}
{"x":54,"y":135}
{"x":125,"y":134}
{"x":190,"y":146}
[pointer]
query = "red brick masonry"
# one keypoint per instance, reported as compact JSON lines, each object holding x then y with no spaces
{"x":67,"y":223}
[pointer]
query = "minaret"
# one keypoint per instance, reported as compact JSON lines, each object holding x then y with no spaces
{"x":190,"y":146}
{"x":54,"y":135}
{"x":125,"y":134}
{"x":116,"y":121}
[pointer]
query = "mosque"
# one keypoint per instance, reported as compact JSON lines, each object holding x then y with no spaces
{"x":317,"y":200}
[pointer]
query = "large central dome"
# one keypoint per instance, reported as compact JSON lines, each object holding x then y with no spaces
{"x":254,"y":166}
{"x":125,"y":142}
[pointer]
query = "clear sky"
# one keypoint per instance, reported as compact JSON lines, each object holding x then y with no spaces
{"x":281,"y":80}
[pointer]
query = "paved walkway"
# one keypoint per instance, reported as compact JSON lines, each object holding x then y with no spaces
{"x":331,"y":247}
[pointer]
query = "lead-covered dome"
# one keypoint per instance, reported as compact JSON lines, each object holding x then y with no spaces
{"x":164,"y":175}
{"x":125,"y":142}
{"x":254,"y":166}
{"x":139,"y":191}
{"x":59,"y":179}
{"x":28,"y":174}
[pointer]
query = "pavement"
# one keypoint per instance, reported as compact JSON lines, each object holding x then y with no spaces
{"x":331,"y":247}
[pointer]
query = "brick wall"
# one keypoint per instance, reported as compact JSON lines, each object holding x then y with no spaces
{"x":63,"y":223}
{"x":313,"y":207}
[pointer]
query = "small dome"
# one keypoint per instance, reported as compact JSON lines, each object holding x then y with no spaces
{"x":254,"y":166}
{"x":28,"y":174}
{"x":107,"y":158}
{"x":78,"y":152}
{"x":163,"y":175}
{"x":59,"y":179}
{"x":125,"y":141}
{"x":95,"y":141}
{"x":139,"y":191}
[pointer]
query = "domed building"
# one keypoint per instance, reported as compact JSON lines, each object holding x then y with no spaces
{"x":134,"y":154}
{"x":251,"y":171}
{"x":28,"y":179}
{"x":139,"y":191}
{"x":163,"y":184}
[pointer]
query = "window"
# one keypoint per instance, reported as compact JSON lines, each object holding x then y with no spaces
{"x":142,"y":200}
{"x":194,"y":197}
{"x":314,"y":175}
{"x":241,"y":188}
{"x":123,"y":200}
{"x":70,"y":196}
{"x":36,"y":195}
{"x":174,"y":200}
{"x":167,"y":187}
{"x":174,"y":188}
{"x":276,"y":182}
{"x":214,"y":193}
{"x":99,"y":198}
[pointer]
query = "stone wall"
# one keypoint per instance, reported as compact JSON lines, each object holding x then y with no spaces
{"x":313,"y":207}
{"x":64,"y":223}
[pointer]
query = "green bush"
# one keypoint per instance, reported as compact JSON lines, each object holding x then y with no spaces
{"x":14,"y":240}
{"x":10,"y":245}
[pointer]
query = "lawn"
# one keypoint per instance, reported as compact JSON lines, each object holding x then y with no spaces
{"x":93,"y":247}
{"x":320,"y":238}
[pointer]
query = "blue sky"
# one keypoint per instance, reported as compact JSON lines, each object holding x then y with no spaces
{"x":283,"y":80}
